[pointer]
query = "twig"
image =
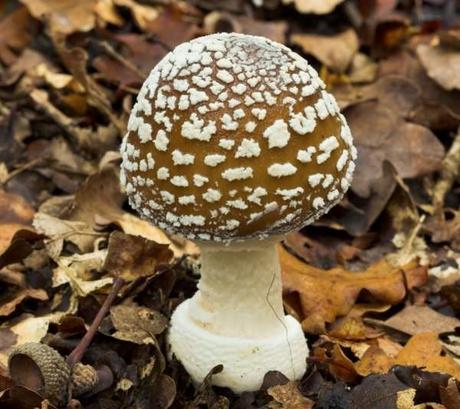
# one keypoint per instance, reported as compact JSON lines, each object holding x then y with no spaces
{"x":76,"y":355}
{"x":450,"y":171}
{"x":114,"y":54}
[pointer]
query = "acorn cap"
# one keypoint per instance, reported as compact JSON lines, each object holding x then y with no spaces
{"x":42,"y":369}
{"x":234,"y":137}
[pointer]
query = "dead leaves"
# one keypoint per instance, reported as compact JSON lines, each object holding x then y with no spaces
{"x":16,"y":29}
{"x":322,"y":296}
{"x":381,"y":135}
{"x":336,"y":52}
{"x":131,"y":257}
{"x":442,"y":62}
{"x":15,"y":214}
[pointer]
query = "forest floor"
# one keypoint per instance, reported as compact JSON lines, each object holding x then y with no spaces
{"x":375,"y":283}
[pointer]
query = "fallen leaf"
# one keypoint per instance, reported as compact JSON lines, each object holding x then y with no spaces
{"x":450,"y":395}
{"x":9,"y":304}
{"x":288,"y":396}
{"x":362,"y":69}
{"x":336,"y":52}
{"x":179,"y":29}
{"x":424,"y":351}
{"x":16,"y":29}
{"x":325,"y":295}
{"x":131,"y":257}
{"x":64,"y":16}
{"x":27,"y":328}
{"x":442,"y":64}
{"x":15,"y":214}
{"x":137,"y":324}
{"x":416,"y":319}
{"x":142,"y":13}
{"x":374,"y":361}
{"x":79,"y":271}
{"x":381,"y":135}
{"x":60,"y":230}
{"x":314,"y":6}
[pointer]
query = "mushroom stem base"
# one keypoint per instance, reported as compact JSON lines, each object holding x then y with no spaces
{"x":245,"y":360}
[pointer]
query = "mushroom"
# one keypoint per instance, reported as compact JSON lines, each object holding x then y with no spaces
{"x":234,"y":142}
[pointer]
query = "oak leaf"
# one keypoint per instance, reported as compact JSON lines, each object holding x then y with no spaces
{"x":324,"y":295}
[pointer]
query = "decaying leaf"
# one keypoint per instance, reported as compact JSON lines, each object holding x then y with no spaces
{"x":325,"y":295}
{"x":288,"y":396}
{"x":442,"y":64}
{"x":132,"y":257}
{"x":15,"y":34}
{"x":15,"y":214}
{"x":64,"y":16}
{"x":416,"y":319}
{"x":381,"y":135}
{"x":336,"y":52}
{"x":137,"y":324}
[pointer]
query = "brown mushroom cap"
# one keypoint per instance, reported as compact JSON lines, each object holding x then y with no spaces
{"x":233,"y":136}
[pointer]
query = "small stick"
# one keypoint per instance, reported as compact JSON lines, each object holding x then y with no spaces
{"x":76,"y":355}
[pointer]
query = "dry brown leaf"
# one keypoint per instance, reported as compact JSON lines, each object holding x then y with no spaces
{"x":416,"y":319}
{"x":314,"y":6}
{"x":131,"y":257}
{"x":9,"y":304}
{"x":336,"y":52}
{"x":15,"y":214}
{"x":64,"y":16}
{"x":381,"y":135}
{"x":362,"y":69}
{"x":374,"y":360}
{"x":325,"y":295}
{"x":137,"y":324}
{"x":442,"y":64}
{"x":179,"y":29}
{"x":288,"y":396}
{"x":424,"y":350}
{"x":142,"y":13}
{"x":27,"y":328}
{"x":15,"y":32}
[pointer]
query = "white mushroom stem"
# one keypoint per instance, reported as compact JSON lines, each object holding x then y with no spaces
{"x":239,"y":290}
{"x":236,"y":319}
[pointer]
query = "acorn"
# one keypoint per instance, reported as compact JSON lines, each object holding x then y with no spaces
{"x":41,"y":369}
{"x":84,"y":379}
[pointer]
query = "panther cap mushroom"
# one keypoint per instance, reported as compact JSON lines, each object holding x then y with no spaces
{"x":233,"y":139}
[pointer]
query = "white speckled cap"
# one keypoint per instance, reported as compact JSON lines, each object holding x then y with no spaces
{"x":233,"y":137}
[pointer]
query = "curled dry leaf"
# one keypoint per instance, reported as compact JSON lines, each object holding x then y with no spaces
{"x":288,"y":396}
{"x":131,"y":257}
{"x":442,"y":64}
{"x":336,"y":52}
{"x":324,"y":295}
{"x":79,"y":271}
{"x":314,"y":6}
{"x":27,"y":328}
{"x":8,"y":304}
{"x":137,"y":324}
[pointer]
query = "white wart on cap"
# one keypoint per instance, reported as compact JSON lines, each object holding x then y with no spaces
{"x":233,"y":136}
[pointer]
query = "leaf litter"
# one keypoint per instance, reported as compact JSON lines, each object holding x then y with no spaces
{"x":376,"y":283}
